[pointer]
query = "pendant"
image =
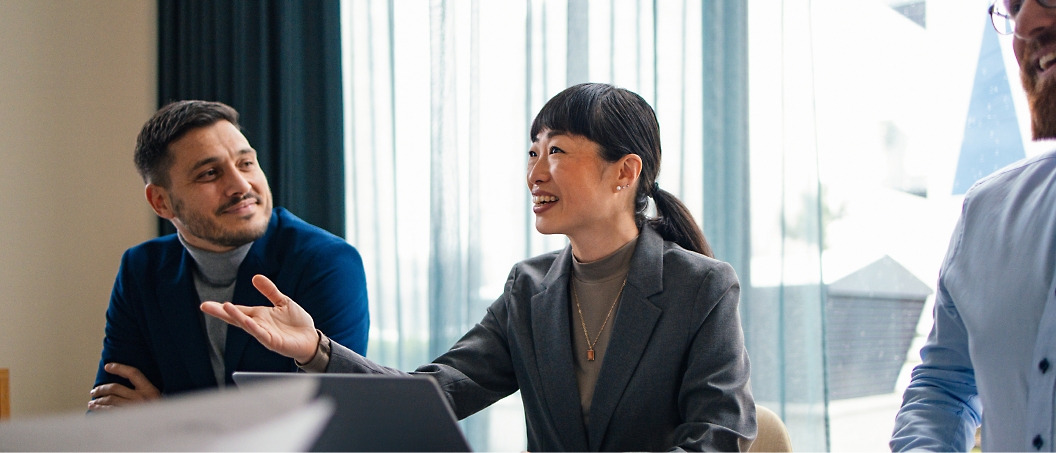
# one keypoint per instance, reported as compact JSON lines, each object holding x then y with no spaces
{"x":590,"y":355}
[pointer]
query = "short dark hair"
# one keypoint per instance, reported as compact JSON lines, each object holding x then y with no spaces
{"x":169,"y":124}
{"x":623,"y":123}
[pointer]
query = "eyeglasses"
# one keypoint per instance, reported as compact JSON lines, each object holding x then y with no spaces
{"x":1003,"y":13}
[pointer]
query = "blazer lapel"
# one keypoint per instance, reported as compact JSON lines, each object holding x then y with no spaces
{"x":635,"y":320}
{"x":246,"y":294}
{"x":179,"y":304}
{"x":550,"y":332}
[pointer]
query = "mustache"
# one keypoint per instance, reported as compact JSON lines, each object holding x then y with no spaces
{"x":236,"y":200}
{"x":1033,"y":46}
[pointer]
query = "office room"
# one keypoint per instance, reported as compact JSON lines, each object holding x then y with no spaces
{"x":824,"y":148}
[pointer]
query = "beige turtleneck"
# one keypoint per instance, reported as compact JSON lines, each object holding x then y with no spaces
{"x":597,"y":285}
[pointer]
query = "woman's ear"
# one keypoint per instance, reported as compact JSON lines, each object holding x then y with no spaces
{"x":629,"y":168}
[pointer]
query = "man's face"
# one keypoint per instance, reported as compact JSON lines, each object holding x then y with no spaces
{"x":218,"y":197}
{"x":1035,"y":47}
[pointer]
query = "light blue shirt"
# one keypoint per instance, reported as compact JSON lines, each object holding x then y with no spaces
{"x":993,"y":345}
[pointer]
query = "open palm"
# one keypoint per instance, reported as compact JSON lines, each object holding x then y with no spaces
{"x":284,"y":328}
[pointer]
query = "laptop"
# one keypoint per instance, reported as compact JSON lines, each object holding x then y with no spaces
{"x":379,"y":413}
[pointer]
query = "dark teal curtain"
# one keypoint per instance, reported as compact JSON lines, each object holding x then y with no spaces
{"x":279,"y":64}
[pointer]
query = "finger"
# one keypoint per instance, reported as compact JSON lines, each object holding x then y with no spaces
{"x":216,"y":309}
{"x":143,"y":385}
{"x":237,"y":313}
{"x":113,"y":389}
{"x":95,"y":407}
{"x":108,"y":402}
{"x":269,"y":290}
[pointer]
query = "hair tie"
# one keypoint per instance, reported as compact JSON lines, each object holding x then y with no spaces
{"x":656,"y":187}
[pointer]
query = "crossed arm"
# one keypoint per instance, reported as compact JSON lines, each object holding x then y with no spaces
{"x":285,"y":328}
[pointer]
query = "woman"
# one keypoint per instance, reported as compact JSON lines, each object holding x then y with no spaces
{"x":628,"y":339}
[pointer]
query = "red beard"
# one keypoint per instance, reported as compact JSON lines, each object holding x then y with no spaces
{"x":1041,"y":96}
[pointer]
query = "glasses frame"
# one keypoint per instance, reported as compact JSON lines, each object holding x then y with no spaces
{"x":1004,"y":22}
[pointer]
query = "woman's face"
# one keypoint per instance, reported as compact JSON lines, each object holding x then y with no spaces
{"x":573,"y":188}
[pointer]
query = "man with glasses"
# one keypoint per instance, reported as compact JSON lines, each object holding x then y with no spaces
{"x":993,"y":344}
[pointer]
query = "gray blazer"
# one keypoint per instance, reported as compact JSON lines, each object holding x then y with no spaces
{"x":675,"y":374}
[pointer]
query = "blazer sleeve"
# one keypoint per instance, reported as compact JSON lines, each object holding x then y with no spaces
{"x":476,"y":372}
{"x":334,"y":283}
{"x":715,"y":398}
{"x":125,"y":341}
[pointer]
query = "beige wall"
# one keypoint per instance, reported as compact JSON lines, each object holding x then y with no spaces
{"x":77,"y":80}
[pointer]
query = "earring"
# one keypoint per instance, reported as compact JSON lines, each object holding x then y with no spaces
{"x":619,"y":187}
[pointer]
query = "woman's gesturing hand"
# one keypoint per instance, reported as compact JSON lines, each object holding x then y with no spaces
{"x":285,"y":328}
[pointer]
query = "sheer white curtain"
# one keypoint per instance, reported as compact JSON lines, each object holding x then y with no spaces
{"x":783,"y":312}
{"x":439,"y":97}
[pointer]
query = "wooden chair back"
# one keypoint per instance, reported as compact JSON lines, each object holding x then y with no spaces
{"x":5,"y":394}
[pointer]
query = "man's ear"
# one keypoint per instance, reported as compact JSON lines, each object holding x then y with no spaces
{"x":158,"y":198}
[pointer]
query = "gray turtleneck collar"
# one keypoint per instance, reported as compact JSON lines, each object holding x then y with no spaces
{"x":217,"y":269}
{"x":214,"y":279}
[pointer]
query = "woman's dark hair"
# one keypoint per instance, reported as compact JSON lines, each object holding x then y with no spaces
{"x":168,"y":125}
{"x":622,"y":123}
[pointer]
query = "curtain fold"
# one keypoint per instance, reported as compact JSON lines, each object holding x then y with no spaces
{"x":783,"y":307}
{"x":279,"y":65}
{"x":440,"y":95}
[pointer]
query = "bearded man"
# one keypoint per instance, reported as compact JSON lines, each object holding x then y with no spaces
{"x":203,"y":176}
{"x":988,"y":357}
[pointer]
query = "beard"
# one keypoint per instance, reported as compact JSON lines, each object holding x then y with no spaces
{"x":206,"y":227}
{"x":1041,"y":96}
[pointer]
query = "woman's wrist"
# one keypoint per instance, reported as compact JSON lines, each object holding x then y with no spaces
{"x":320,"y":358}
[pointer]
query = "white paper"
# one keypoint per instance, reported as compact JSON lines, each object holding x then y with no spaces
{"x":217,"y":419}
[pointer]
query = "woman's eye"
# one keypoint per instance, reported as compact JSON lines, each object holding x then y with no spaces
{"x":532,"y":154}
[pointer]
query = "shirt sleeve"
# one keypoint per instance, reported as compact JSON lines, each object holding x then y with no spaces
{"x":941,"y":408}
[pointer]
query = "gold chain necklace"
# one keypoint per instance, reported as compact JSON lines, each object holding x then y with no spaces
{"x":583,"y":322}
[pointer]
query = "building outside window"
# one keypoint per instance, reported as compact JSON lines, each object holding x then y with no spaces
{"x":867,"y":120}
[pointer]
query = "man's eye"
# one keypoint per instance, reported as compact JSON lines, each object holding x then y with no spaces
{"x":555,"y":150}
{"x":532,"y":154}
{"x":207,"y":174}
{"x":248,"y":163}
{"x":1014,"y":6}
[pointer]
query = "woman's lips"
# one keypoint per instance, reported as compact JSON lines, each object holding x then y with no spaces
{"x":541,"y":203}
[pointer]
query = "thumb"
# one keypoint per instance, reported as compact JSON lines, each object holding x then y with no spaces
{"x":269,"y":290}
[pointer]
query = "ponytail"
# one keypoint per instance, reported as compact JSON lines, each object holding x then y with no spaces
{"x":675,"y":223}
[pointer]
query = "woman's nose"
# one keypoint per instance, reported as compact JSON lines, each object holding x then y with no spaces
{"x":538,"y":171}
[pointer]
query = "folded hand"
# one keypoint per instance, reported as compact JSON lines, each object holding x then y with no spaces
{"x":109,"y":396}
